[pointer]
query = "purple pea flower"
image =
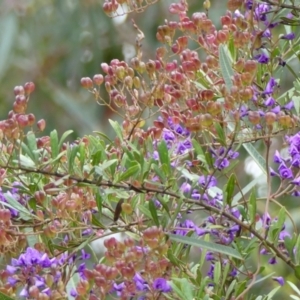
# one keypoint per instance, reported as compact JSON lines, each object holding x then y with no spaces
{"x":262,"y":58}
{"x":208,"y":181}
{"x":162,"y":285}
{"x":279,"y":279}
{"x":289,"y":36}
{"x":270,"y":86}
{"x":289,"y":105}
{"x":285,"y":172}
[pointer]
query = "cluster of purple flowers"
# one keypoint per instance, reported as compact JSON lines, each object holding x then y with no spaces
{"x":38,"y":274}
{"x":261,"y":11}
{"x":288,"y":167}
{"x":159,"y":284}
{"x":16,"y":194}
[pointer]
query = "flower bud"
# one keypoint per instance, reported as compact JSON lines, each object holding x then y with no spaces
{"x":19,"y":90}
{"x":31,"y":119}
{"x":98,"y":79}
{"x":86,"y":82}
{"x":29,"y":87}
{"x":254,"y":117}
{"x":41,"y":124}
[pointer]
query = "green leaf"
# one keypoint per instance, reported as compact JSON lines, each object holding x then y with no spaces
{"x":96,"y":222}
{"x":99,"y":202}
{"x":164,"y":156}
{"x":5,"y":297}
{"x":116,"y":127}
{"x":153,"y":212}
{"x":62,"y":139}
{"x":183,"y":288}
{"x":246,"y":190}
{"x":221,"y":134}
{"x":133,"y":170}
{"x":54,"y":143}
{"x":24,"y":213}
{"x":273,"y":292}
{"x":31,"y":143}
{"x":229,"y":190}
{"x":226,"y":68}
{"x":72,"y":283}
{"x":206,"y":245}
{"x":252,"y":207}
{"x":261,"y":162}
{"x":71,"y":159}
{"x":81,"y":149}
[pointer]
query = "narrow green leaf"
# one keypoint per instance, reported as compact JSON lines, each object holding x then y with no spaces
{"x":297,"y":271}
{"x":5,"y":297}
{"x":153,"y":212}
{"x":164,"y":155}
{"x":183,"y":287}
{"x":63,"y":137}
{"x":221,"y":134}
{"x":230,"y":186}
{"x":32,"y":146}
{"x":71,"y":159}
{"x":207,"y":245}
{"x":54,"y":143}
{"x":99,"y":202}
{"x":133,"y":170}
{"x":81,"y":149}
{"x":24,"y":213}
{"x":273,"y":292}
{"x":261,"y":162}
{"x":226,"y":68}
{"x":116,"y":127}
{"x":103,"y":136}
{"x":96,"y":222}
{"x":294,"y":287}
{"x":246,"y":190}
{"x":72,"y":283}
{"x":217,"y":272}
{"x":252,"y":207}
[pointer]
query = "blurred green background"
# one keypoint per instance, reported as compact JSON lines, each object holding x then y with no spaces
{"x":56,"y":42}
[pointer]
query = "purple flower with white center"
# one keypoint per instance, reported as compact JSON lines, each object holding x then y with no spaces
{"x":207,"y":181}
{"x":276,"y":109}
{"x":289,"y":36}
{"x":221,"y":163}
{"x":277,"y":157}
{"x":285,"y":172}
{"x":140,"y":282}
{"x":279,"y":279}
{"x":272,"y":260}
{"x":184,"y":146}
{"x":168,"y":135}
{"x":270,"y":86}
{"x":296,"y":181}
{"x":210,"y":256}
{"x":273,"y":173}
{"x":267,"y":33}
{"x":270,"y":101}
{"x":186,"y":188}
{"x":262,"y":58}
{"x":162,"y":285}
{"x":260,"y":12}
{"x":289,"y":105}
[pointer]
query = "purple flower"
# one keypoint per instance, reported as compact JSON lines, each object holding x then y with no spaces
{"x":296,"y":181}
{"x":285,"y":172}
{"x":261,"y":11}
{"x":221,"y":163}
{"x":276,"y":109}
{"x":168,"y":135}
{"x":270,"y":86}
{"x":140,"y":282}
{"x":279,"y":279}
{"x":289,"y":36}
{"x":186,"y":188}
{"x":162,"y":285}
{"x":277,"y":157}
{"x":207,"y":181}
{"x":289,"y":105}
{"x":184,"y":146}
{"x":270,"y":101}
{"x":262,"y":58}
{"x":272,"y":260}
